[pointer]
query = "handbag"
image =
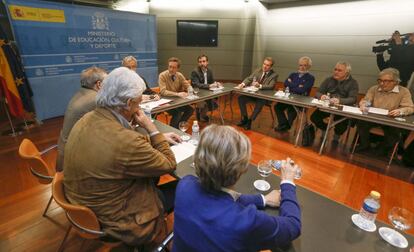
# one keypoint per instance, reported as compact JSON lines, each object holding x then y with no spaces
{"x":308,"y":134}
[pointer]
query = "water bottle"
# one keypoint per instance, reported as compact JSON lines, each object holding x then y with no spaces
{"x":190,"y":91}
{"x":195,"y":135}
{"x":366,"y":106}
{"x":327,"y":100}
{"x":370,"y":206}
{"x":287,"y":92}
{"x":277,"y":164}
{"x":147,"y":111}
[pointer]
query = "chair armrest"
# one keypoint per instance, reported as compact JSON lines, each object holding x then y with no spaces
{"x":48,"y":149}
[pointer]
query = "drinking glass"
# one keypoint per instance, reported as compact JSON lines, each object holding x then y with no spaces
{"x":401,"y":219}
{"x":264,"y":167}
{"x":184,"y":127}
{"x":196,"y":90}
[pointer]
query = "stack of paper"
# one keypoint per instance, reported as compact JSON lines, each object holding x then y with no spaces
{"x":154,"y":104}
{"x":183,"y":151}
{"x":354,"y":110}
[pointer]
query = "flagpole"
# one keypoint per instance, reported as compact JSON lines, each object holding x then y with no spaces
{"x":8,"y":117}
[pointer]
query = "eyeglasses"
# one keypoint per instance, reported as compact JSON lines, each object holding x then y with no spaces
{"x":303,"y":65}
{"x":379,"y":81}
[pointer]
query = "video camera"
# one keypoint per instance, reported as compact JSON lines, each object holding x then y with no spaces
{"x":387,"y":43}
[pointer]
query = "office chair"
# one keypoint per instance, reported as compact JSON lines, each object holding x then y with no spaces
{"x":38,"y":167}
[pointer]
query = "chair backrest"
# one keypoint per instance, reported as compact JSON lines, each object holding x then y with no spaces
{"x":82,"y":218}
{"x":39,"y":168}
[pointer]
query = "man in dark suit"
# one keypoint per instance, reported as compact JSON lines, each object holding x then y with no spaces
{"x":262,"y":78}
{"x":202,"y":77}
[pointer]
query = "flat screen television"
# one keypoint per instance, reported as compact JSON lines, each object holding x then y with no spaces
{"x":197,"y":33}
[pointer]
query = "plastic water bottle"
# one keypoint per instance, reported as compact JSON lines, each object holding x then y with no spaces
{"x":147,"y":111}
{"x":287,"y":92}
{"x":195,"y":135}
{"x":370,"y":206}
{"x":327,"y":100}
{"x":190,"y":91}
{"x":365,"y":109}
{"x":277,"y":164}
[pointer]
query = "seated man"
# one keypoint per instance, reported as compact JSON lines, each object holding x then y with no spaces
{"x":173,"y":83}
{"x":342,"y":89}
{"x":81,"y":103}
{"x":301,"y":83}
{"x":388,"y":94}
{"x":132,"y":63}
{"x":211,"y":216}
{"x":111,"y":168}
{"x":202,"y":77}
{"x":262,"y":78}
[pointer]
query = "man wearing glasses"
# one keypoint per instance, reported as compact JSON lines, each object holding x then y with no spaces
{"x":342,"y":89}
{"x":389,"y":95}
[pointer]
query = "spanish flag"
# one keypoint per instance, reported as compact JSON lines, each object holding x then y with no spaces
{"x":13,"y":83}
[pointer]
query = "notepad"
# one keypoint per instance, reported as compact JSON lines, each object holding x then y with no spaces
{"x":182,"y":151}
{"x":378,"y":111}
{"x":354,"y":110}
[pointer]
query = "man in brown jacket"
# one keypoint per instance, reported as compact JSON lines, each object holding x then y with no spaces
{"x":110,"y":168}
{"x":389,"y":95}
{"x":173,"y":83}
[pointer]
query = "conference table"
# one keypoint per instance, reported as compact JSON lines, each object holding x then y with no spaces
{"x":203,"y":95}
{"x":297,"y":101}
{"x":406,"y":122}
{"x":326,"y":224}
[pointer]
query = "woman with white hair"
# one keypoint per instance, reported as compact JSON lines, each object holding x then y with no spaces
{"x":110,"y":168}
{"x":210,"y":216}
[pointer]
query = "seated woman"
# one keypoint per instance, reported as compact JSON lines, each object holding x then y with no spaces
{"x":210,"y":216}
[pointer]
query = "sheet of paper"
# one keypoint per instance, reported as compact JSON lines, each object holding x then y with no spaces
{"x":316,"y":101}
{"x":183,"y":150}
{"x":378,"y":111}
{"x":154,"y":104}
{"x":353,"y":110}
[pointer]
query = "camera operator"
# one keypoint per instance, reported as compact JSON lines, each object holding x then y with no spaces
{"x":401,"y":56}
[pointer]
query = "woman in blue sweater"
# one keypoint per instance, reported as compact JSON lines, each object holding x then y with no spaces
{"x":210,"y":216}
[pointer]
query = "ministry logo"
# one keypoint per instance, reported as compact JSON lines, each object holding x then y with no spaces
{"x":100,"y":22}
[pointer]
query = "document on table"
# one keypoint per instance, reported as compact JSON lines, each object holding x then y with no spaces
{"x":354,"y":110}
{"x":183,"y":150}
{"x":316,"y":101}
{"x":378,"y":111}
{"x":154,"y":104}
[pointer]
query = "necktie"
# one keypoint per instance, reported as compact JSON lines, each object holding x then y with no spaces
{"x":173,"y":77}
{"x":263,"y":77}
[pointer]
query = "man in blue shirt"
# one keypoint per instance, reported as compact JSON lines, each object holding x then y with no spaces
{"x":301,"y":83}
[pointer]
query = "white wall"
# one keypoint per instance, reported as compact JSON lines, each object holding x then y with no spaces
{"x":237,"y":19}
{"x":324,"y":30}
{"x":331,"y":32}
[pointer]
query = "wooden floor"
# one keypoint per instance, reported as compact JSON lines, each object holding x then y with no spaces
{"x":336,"y":175}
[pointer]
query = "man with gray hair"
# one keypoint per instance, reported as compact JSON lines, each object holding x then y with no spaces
{"x":389,"y":95}
{"x":81,"y":103}
{"x":110,"y":167}
{"x":340,"y":88}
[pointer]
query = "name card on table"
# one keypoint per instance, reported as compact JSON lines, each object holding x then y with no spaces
{"x":350,"y":109}
{"x":378,"y":111}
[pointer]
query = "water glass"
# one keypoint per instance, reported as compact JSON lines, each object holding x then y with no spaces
{"x":184,"y":127}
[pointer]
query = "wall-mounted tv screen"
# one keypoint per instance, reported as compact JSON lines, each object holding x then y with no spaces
{"x":200,"y":33}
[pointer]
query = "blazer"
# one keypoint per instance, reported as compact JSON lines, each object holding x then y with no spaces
{"x":197,"y":78}
{"x":80,"y":104}
{"x":269,"y":81}
{"x":110,"y":169}
{"x":215,"y":221}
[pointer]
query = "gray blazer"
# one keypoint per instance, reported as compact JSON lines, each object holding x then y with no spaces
{"x":80,"y":104}
{"x":268,"y":82}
